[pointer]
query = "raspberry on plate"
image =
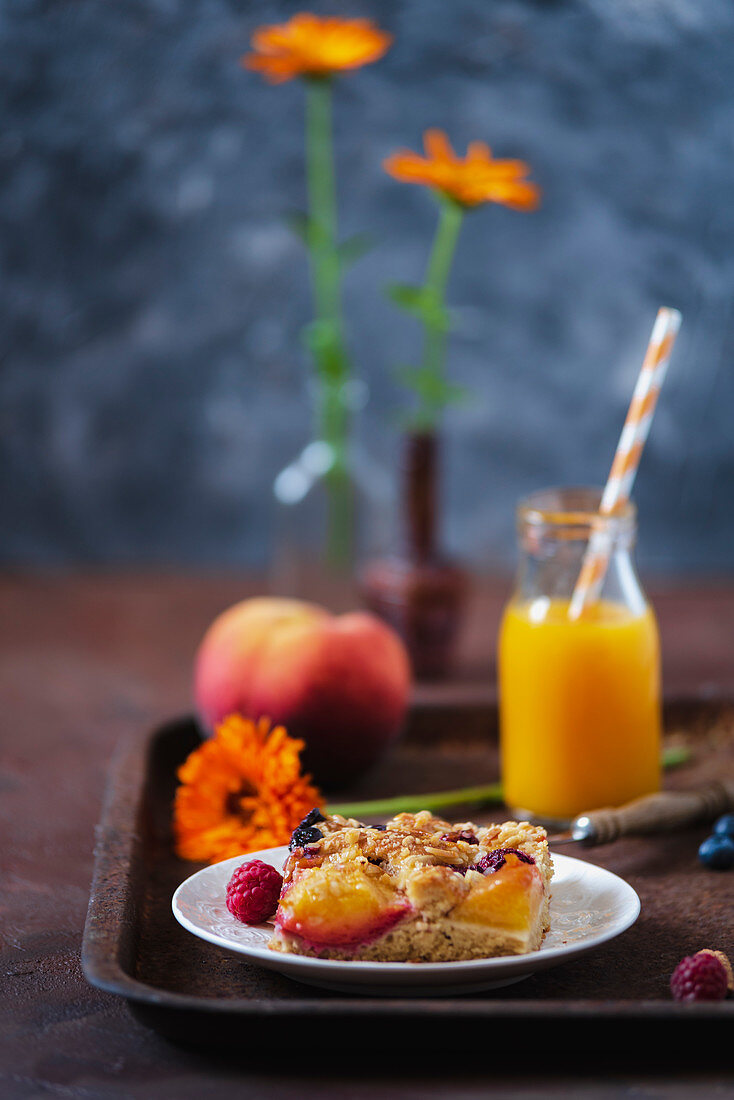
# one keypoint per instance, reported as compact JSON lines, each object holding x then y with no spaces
{"x":699,"y":977}
{"x":253,"y":891}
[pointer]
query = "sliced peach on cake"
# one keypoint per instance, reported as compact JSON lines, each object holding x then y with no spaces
{"x":338,"y":905}
{"x":509,"y":898}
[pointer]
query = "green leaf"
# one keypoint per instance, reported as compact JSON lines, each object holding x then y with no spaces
{"x":323,"y":340}
{"x":422,"y":303}
{"x":299,"y":224}
{"x":456,"y":394}
{"x":405,"y":296}
{"x":321,"y":337}
{"x":432,"y":390}
{"x":306,"y":229}
{"x":354,"y":248}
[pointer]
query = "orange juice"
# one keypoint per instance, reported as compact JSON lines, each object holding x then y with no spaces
{"x":579,"y":706}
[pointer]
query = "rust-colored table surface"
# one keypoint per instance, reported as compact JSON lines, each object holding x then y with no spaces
{"x":87,"y":661}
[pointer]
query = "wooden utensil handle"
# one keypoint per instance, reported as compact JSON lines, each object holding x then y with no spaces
{"x":658,"y":813}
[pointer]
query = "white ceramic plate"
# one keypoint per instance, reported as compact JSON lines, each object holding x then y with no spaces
{"x":588,"y":907}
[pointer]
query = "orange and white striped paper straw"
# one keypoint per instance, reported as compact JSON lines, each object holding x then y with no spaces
{"x":627,"y":456}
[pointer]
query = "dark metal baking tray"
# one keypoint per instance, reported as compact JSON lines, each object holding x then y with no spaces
{"x":194,"y":993}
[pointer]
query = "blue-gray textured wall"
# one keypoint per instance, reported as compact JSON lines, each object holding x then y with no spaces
{"x":152,"y":296}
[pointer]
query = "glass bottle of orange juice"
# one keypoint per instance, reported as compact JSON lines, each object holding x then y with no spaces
{"x":580,"y":715}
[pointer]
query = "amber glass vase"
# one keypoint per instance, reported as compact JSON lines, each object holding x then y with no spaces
{"x":416,"y":588}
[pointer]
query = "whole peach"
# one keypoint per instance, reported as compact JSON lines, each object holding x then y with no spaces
{"x":340,"y":683}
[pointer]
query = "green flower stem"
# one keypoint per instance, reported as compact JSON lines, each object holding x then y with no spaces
{"x":489,"y":794}
{"x":332,"y":361}
{"x":335,"y":432}
{"x":322,"y":201}
{"x":437,"y":277}
{"x":388,"y":807}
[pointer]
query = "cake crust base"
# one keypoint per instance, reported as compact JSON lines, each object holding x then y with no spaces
{"x":418,"y":941}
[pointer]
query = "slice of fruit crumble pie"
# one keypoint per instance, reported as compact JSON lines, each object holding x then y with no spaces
{"x":418,"y":889}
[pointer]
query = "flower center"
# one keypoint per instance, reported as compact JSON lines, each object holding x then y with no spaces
{"x":233,"y":802}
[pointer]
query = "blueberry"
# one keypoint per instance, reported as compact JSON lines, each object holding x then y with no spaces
{"x":312,"y":817}
{"x":304,"y":835}
{"x":725,"y":826}
{"x":717,"y":852}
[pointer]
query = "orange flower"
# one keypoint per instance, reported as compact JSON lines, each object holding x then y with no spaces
{"x":308,"y":45}
{"x":241,"y":791}
{"x":471,"y":181}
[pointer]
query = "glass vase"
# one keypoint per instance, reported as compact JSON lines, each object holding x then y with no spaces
{"x":415,"y":587}
{"x":323,"y":499}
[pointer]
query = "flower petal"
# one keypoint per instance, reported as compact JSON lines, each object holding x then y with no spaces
{"x":477,"y":178}
{"x":212,"y":820}
{"x":438,"y":146}
{"x":308,"y":45}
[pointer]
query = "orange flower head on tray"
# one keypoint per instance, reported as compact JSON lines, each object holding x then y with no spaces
{"x":474,"y":179}
{"x":309,"y":45}
{"x":241,"y":791}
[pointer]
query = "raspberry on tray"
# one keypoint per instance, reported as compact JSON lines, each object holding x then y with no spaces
{"x":418,"y":889}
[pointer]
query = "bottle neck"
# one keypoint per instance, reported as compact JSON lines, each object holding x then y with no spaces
{"x":552,"y":572}
{"x":557,"y":531}
{"x":420,"y":481}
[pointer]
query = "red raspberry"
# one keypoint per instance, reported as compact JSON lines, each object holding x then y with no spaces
{"x":699,"y":977}
{"x":253,"y":892}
